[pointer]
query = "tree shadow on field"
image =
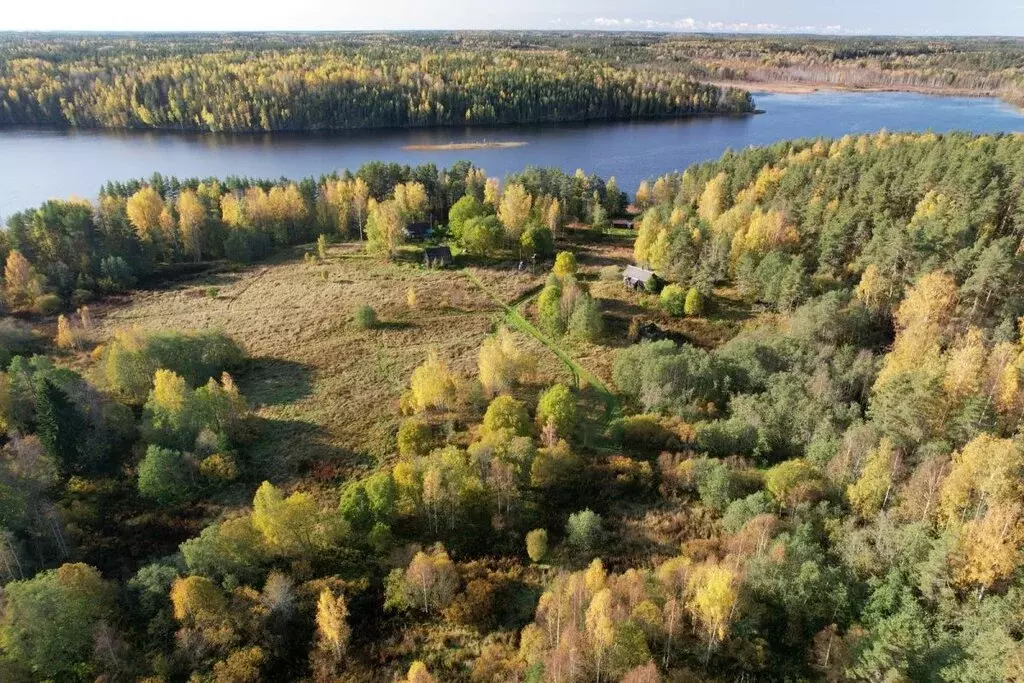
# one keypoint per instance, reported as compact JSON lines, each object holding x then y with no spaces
{"x":274,"y":381}
{"x":284,"y":449}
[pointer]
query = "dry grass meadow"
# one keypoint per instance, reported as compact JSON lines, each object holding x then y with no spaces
{"x":326,"y":390}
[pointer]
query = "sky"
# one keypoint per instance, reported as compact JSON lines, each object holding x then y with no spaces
{"x":841,"y":17}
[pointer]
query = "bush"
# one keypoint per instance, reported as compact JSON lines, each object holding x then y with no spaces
{"x":219,"y":468}
{"x":48,"y":304}
{"x":583,"y":530}
{"x":565,"y":264}
{"x":414,"y":438}
{"x":366,"y":317}
{"x":673,"y":300}
{"x":609,"y":273}
{"x":549,"y":310}
{"x":694,"y":302}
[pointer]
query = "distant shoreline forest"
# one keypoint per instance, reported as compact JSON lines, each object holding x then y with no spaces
{"x":250,"y":83}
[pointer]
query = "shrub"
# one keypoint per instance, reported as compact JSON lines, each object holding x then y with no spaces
{"x":673,"y":300}
{"x":48,"y":304}
{"x":694,"y":302}
{"x":565,"y":264}
{"x":609,"y":273}
{"x":414,"y":438}
{"x":219,"y":467}
{"x":506,"y":413}
{"x":583,"y":530}
{"x":557,"y":406}
{"x":366,"y":317}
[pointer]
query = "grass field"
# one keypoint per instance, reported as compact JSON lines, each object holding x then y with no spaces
{"x":327,"y":391}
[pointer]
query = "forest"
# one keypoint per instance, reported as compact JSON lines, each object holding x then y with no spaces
{"x":954,"y":66}
{"x":323,"y":81}
{"x":811,"y":469}
{"x":331,"y":82}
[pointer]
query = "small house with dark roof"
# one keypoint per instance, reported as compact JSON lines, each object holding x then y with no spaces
{"x":636,"y":277}
{"x":417,"y":231}
{"x":626,"y":223}
{"x":437,"y":257}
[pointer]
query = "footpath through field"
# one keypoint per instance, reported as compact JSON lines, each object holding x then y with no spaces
{"x":515,"y":318}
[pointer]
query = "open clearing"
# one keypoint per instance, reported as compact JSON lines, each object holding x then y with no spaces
{"x":328,"y":391}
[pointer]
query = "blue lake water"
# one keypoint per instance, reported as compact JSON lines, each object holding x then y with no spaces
{"x":36,"y":165}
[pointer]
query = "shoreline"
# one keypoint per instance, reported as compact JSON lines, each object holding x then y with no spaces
{"x":460,"y":146}
{"x":811,"y":87}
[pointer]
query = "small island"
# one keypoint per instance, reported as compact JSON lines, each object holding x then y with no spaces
{"x":460,"y":146}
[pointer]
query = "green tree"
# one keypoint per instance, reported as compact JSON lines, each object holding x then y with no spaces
{"x":557,"y":407}
{"x":694,"y":306}
{"x":47,"y":622}
{"x":506,"y":413}
{"x":165,"y":476}
{"x":583,"y":530}
{"x":468,"y":207}
{"x":673,"y":300}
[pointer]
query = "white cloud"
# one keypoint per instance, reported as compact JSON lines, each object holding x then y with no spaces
{"x":689,"y":24}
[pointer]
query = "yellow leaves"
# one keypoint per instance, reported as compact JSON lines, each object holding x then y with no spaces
{"x":196,"y":598}
{"x":713,"y":594}
{"x":986,"y":472}
{"x":385,"y":227}
{"x":712,"y":199}
{"x":332,"y":623}
{"x":22,"y":285}
{"x":170,"y":392}
{"x":290,"y":526}
{"x":989,"y":547}
{"x":432,"y":385}
{"x":144,"y":209}
{"x":869,"y":494}
{"x":872,"y":290}
{"x":492,"y":192}
{"x":191,"y":216}
{"x":514,"y":210}
{"x":502,"y":364}
{"x":411,"y":200}
{"x":964,"y":367}
{"x":599,"y":621}
{"x":922,"y":321}
{"x":67,"y":337}
{"x":767,"y":231}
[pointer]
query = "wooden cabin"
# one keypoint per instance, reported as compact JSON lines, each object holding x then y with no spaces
{"x":636,"y":277}
{"x":626,"y":223}
{"x":437,"y":257}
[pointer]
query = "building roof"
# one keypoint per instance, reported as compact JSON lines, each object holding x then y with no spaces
{"x":624,"y":222}
{"x":637,"y":273}
{"x":436,"y":253}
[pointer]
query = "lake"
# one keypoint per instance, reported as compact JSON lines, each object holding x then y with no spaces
{"x":36,"y":165}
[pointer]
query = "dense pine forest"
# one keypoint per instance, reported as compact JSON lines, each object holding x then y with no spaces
{"x":795,"y":454}
{"x":331,"y":82}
